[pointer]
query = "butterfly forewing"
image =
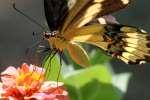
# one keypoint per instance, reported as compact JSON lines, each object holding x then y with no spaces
{"x":85,"y":11}
{"x":55,"y":12}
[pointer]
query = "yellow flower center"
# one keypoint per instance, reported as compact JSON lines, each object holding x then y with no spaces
{"x":29,"y":78}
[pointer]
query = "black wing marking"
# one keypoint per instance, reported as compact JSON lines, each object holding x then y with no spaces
{"x":55,"y":12}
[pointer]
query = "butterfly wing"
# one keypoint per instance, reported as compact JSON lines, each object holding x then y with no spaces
{"x":55,"y":12}
{"x":37,"y":52}
{"x":134,"y":44}
{"x":87,"y":34}
{"x":84,"y":11}
{"x":78,"y":54}
{"x":91,"y":34}
{"x":128,"y":43}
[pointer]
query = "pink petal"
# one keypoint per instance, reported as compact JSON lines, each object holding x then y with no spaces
{"x":10,"y":71}
{"x":44,"y":96}
{"x":1,"y":90}
{"x":57,"y":89}
{"x":35,"y":85}
{"x":9,"y":75}
{"x":24,"y":68}
{"x":36,"y":69}
{"x":49,"y":86}
{"x":9,"y":82}
{"x":41,"y":96}
{"x":21,"y":90}
{"x":12,"y":98}
{"x":62,"y":97}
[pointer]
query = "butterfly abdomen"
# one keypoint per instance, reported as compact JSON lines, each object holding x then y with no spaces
{"x":128,"y":43}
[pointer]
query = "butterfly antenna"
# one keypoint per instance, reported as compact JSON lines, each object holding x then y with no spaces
{"x":25,"y":15}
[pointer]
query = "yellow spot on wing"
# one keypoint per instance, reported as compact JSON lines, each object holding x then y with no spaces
{"x":74,"y":11}
{"x":90,"y":13}
{"x":130,"y":56}
{"x":125,"y":1}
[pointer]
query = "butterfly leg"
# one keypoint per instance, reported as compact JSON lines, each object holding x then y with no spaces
{"x":51,"y":55}
{"x":59,"y":71}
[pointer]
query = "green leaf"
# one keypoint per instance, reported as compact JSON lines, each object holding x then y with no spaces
{"x":81,"y":77}
{"x":99,"y":57}
{"x":96,"y":90}
{"x":53,"y":68}
{"x":93,"y":83}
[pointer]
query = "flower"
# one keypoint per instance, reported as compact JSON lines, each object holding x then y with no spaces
{"x":27,"y":83}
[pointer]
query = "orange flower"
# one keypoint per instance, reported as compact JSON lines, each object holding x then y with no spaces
{"x":27,"y":83}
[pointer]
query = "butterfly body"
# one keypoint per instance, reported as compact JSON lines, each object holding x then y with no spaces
{"x":79,"y":23}
{"x":56,"y":40}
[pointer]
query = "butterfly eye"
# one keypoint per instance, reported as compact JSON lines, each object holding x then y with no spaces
{"x":46,"y":35}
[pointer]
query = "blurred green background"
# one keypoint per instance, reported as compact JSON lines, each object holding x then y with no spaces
{"x":16,"y":36}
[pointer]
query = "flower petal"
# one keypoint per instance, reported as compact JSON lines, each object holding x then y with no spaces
{"x":37,"y":69}
{"x":50,"y":86}
{"x":55,"y":88}
{"x":8,"y":76}
{"x":41,"y":96}
{"x":10,"y":71}
{"x":24,"y":68}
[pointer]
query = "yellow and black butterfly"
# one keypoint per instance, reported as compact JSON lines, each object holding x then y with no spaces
{"x":76,"y":21}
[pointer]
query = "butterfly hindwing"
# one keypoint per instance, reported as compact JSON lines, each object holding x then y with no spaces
{"x":130,"y":44}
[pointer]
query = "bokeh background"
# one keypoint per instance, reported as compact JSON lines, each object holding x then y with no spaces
{"x":16,"y":36}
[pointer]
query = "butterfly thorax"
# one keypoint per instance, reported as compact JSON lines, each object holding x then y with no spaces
{"x":56,"y":40}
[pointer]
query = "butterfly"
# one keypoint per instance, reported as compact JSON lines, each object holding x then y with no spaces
{"x":73,"y":22}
